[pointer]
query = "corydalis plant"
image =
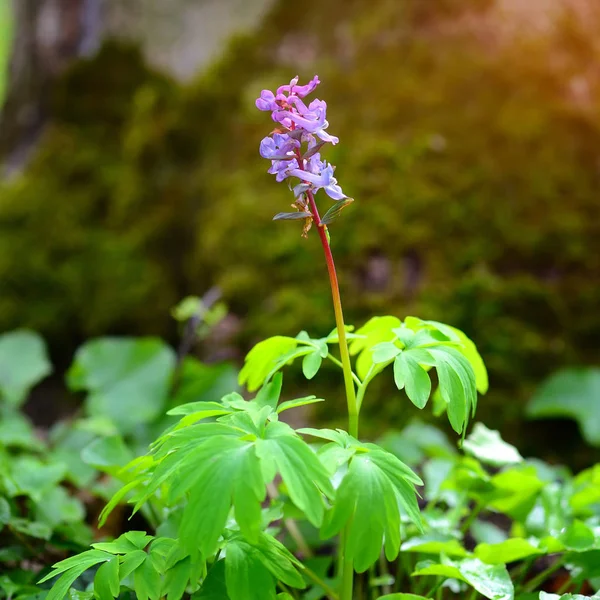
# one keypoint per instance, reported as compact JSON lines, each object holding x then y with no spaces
{"x":212,"y":478}
{"x":294,"y":151}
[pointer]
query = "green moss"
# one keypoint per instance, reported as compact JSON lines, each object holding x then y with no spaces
{"x":475,"y":182}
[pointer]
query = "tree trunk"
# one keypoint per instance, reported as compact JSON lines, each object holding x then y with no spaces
{"x":48,"y":34}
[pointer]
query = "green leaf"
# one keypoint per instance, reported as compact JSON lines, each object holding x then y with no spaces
{"x":572,"y":393}
{"x":586,"y":488}
{"x":4,"y":511}
{"x":384,"y":352}
{"x":225,"y":471}
{"x":546,"y":596}
{"x":298,"y":402}
{"x":334,"y":212}
{"x":57,"y":507}
{"x":146,"y":581}
{"x":269,"y":393}
{"x":374,"y":331}
{"x":435,"y":543}
{"x":468,"y":349}
{"x":23,"y":363}
{"x":457,"y":385}
{"x":177,"y":579}
{"x":122,"y":545}
{"x":214,"y":587}
{"x":303,"y":474}
{"x":311,"y":364}
{"x":515,"y":491}
{"x":106,"y":581}
{"x":402,"y":597}
{"x":108,"y":454}
{"x":115,"y":500}
{"x":507,"y":551}
{"x":259,"y":566}
{"x":85,"y":560}
{"x":285,"y":216}
{"x":578,"y":537}
{"x":128,"y":380}
{"x":33,"y":529}
{"x":262,"y":359}
{"x":131,"y":562}
{"x":409,"y":374}
{"x":31,"y":477}
{"x":491,"y":581}
{"x":487,"y":446}
{"x":367,"y":504}
{"x":245,"y":575}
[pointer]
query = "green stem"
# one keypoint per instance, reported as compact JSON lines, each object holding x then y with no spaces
{"x":564,"y":588}
{"x":347,"y":566}
{"x":362,"y":388}
{"x":536,"y":581}
{"x":291,"y":526}
{"x":471,"y":518}
{"x":331,"y":593}
{"x":335,"y":361}
{"x":384,"y":572}
{"x":337,"y":309}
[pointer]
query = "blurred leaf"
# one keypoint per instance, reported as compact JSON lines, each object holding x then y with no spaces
{"x":516,"y":491}
{"x":488,"y":447}
{"x":571,"y":393}
{"x":311,"y":364}
{"x":23,"y":363}
{"x":31,"y":477}
{"x":108,"y":454}
{"x":200,"y":382}
{"x":402,"y":597}
{"x":507,"y":551}
{"x":127,"y":379}
{"x":491,"y":581}
{"x":57,"y":506}
{"x":31,"y":528}
{"x":17,"y":432}
{"x":579,"y":537}
{"x":435,"y":543}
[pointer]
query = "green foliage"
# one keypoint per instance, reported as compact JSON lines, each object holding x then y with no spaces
{"x":571,"y":393}
{"x":413,"y":347}
{"x":23,"y":364}
{"x":112,"y":369}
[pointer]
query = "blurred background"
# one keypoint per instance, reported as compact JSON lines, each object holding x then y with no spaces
{"x":469,"y":137}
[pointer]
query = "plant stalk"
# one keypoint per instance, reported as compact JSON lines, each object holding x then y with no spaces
{"x":347,"y":567}
{"x":337,"y":309}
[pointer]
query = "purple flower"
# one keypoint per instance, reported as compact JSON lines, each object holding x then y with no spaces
{"x":281,"y":169}
{"x":278,"y":147}
{"x":299,"y":126}
{"x":299,"y":90}
{"x":311,"y":119}
{"x":322,"y":179}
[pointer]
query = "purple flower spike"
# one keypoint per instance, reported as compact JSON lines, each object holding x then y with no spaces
{"x":293,"y":148}
{"x":299,"y":90}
